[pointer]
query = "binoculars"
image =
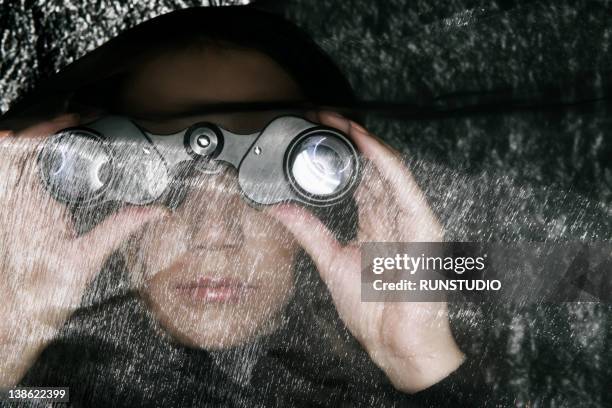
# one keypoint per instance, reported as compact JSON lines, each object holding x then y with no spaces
{"x":114,"y":160}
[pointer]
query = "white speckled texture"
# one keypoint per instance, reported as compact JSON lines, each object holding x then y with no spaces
{"x":510,"y":175}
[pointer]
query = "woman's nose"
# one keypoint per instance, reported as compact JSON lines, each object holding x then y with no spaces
{"x":213,"y":212}
{"x":218,"y":228}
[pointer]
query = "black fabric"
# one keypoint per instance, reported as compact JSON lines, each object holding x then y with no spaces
{"x":112,"y":356}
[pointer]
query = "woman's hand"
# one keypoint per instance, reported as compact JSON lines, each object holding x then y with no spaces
{"x":44,"y":266}
{"x":411,"y":342}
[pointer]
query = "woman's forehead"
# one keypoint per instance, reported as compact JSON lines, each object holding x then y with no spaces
{"x":177,"y":81}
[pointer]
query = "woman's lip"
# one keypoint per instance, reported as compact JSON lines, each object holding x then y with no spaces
{"x":206,"y":282}
{"x":215,"y":290}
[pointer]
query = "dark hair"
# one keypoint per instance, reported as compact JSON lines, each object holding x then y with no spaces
{"x":94,"y":79}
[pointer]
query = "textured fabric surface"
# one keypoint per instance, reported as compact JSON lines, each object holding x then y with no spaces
{"x":538,"y":167}
{"x":515,"y":174}
{"x":40,"y":37}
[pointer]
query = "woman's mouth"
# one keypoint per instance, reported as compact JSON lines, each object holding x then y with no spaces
{"x":216,"y":290}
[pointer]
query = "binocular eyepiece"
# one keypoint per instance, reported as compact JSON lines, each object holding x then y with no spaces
{"x":112,"y":159}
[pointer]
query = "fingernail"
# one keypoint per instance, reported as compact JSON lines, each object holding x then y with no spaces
{"x":334,"y":114}
{"x":358,"y":128}
{"x":67,"y":118}
{"x":282,"y":211}
{"x":91,"y":116}
{"x":337,"y":120}
{"x":312,"y":116}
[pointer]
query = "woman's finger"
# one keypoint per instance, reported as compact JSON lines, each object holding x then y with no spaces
{"x":378,"y":212}
{"x":18,"y":151}
{"x":373,"y":188}
{"x":387,"y":161}
{"x":310,"y":233}
{"x":338,"y":266}
{"x":106,"y":237}
{"x":334,"y":120}
{"x":48,"y":128}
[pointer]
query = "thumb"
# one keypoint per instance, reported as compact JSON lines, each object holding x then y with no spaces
{"x":310,"y":233}
{"x":106,"y":237}
{"x":49,"y":127}
{"x":337,"y":268}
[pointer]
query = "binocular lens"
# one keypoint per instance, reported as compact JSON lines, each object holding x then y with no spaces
{"x":142,"y":172}
{"x":75,"y":168}
{"x":322,"y":165}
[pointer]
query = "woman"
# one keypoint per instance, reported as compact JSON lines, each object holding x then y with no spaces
{"x":188,"y":262}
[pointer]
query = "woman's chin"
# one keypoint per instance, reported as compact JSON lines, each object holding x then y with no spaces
{"x":216,"y":335}
{"x":213,"y":326}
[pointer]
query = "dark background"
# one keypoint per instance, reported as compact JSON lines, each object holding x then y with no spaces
{"x":529,"y":160}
